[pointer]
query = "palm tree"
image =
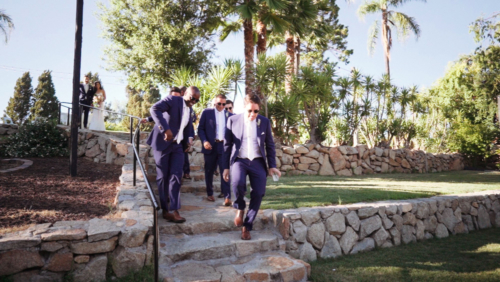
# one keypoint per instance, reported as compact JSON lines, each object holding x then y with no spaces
{"x":402,"y":23}
{"x":6,"y":24}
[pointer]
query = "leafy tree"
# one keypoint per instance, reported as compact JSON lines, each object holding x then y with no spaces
{"x":139,"y":105}
{"x":93,"y":77}
{"x":402,"y":23}
{"x":6,"y":24}
{"x":19,"y":105}
{"x":270,"y":72}
{"x":151,"y":39}
{"x":45,"y":102}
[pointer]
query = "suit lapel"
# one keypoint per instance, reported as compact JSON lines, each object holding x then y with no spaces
{"x":258,"y":130}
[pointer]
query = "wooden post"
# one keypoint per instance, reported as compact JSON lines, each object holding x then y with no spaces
{"x":76,"y":86}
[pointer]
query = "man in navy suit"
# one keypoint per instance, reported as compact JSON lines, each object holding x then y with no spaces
{"x":172,"y":135}
{"x":86,"y":97}
{"x":211,"y":131}
{"x":249,"y":150}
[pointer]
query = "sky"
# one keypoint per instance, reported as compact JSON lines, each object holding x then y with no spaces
{"x":43,"y":39}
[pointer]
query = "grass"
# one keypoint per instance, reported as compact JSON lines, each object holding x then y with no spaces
{"x":466,"y":257}
{"x":310,"y":191}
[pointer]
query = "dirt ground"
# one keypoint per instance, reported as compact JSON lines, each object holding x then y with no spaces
{"x":45,"y":192}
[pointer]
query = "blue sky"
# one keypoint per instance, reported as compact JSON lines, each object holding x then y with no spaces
{"x":44,"y":39}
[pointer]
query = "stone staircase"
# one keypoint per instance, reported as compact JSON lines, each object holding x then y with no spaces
{"x":207,"y":247}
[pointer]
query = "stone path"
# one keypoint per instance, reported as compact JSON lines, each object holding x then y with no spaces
{"x":207,"y":247}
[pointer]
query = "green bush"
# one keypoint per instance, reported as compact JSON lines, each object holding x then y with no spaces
{"x":40,"y":138}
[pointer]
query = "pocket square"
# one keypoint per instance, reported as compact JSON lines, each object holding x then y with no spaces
{"x":263,"y":133}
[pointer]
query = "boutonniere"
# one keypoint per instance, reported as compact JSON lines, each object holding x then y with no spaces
{"x":258,"y":122}
{"x":227,"y":114}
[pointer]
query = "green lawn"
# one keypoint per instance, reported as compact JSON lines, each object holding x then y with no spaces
{"x":466,"y":257}
{"x":310,"y":191}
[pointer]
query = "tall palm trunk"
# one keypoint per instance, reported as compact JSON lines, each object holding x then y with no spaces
{"x":249,"y":56}
{"x":386,"y":40}
{"x":297,"y":55}
{"x":290,"y":54}
{"x":261,"y":48}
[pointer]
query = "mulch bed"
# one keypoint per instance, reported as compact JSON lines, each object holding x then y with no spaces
{"x":45,"y":192}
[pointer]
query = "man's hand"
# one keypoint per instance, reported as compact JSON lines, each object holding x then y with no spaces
{"x":207,"y":145}
{"x":225,"y":175}
{"x":168,"y":135}
{"x":144,"y":120}
{"x":188,"y":148}
{"x":274,"y":171}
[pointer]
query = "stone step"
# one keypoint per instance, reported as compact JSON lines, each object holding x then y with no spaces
{"x":268,"y":266}
{"x":198,"y":187}
{"x":209,"y":246}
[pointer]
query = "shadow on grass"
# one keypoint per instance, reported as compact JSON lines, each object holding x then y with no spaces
{"x":470,"y":257}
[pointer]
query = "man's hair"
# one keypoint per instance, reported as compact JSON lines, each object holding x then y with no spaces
{"x":252,"y":98}
{"x":229,"y":102}
{"x":175,"y":89}
{"x":183,"y":88}
{"x":221,"y":96}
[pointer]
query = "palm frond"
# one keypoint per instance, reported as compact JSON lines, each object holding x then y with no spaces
{"x":247,"y":10}
{"x":368,"y":8}
{"x":230,"y":27}
{"x":276,"y":4}
{"x":397,"y":3}
{"x":405,"y":24}
{"x":6,"y":19}
{"x":277,"y":22}
{"x":373,"y":36}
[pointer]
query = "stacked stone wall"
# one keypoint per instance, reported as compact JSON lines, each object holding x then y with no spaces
{"x":329,"y":232}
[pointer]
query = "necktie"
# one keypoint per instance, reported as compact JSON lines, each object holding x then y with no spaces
{"x":249,"y":141}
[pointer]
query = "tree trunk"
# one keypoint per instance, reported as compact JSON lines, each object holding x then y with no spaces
{"x":261,"y":48}
{"x":387,"y":41}
{"x":290,"y":54}
{"x":249,"y":56}
{"x":297,"y":55}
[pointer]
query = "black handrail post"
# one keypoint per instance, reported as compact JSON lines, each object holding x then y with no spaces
{"x":137,"y":132}
{"x":69,"y":111}
{"x":59,"y":115}
{"x":131,"y":130}
{"x":156,"y":242}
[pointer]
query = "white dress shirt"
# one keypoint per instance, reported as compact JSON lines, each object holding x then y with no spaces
{"x":184,"y":122}
{"x":86,"y":87}
{"x":220,"y":121}
{"x":249,"y":145}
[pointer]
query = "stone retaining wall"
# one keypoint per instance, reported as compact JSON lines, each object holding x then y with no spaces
{"x":47,"y":252}
{"x":329,"y":232}
{"x":8,"y":129}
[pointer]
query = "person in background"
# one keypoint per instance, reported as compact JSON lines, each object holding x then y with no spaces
{"x":229,"y":106}
{"x":86,"y":98}
{"x":248,"y":150}
{"x":187,"y":167}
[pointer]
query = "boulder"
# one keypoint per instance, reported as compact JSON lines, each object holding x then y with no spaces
{"x":348,"y":239}
{"x":407,"y":234}
{"x":306,"y":160}
{"x":85,"y":248}
{"x":409,"y":218}
{"x":367,"y":212}
{"x":344,"y":172}
{"x":396,"y":236}
{"x":353,"y":220}
{"x":18,"y":242}
{"x":316,"y":235}
{"x":430,"y":224}
{"x":365,"y":245}
{"x":15,"y":261}
{"x":348,"y":150}
{"x":422,"y":210}
{"x":59,"y":262}
{"x":127,"y":260}
{"x":420,"y":230}
{"x":326,"y":168}
{"x":331,"y":248}
{"x":134,"y":236}
{"x":299,"y":231}
{"x":95,"y":270}
{"x":357,"y":171}
{"x":441,"y":231}
{"x":101,"y":229}
{"x":335,"y":224}
{"x":380,"y":237}
{"x":286,"y":159}
{"x":288,"y":150}
{"x":398,"y":221}
{"x":64,"y":234}
{"x":337,"y":159}
{"x":299,"y":149}
{"x":369,"y":225}
{"x":483,"y":218}
{"x":448,"y":218}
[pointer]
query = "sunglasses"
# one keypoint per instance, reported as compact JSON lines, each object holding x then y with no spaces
{"x":229,"y":108}
{"x":255,"y":111}
{"x":221,"y":104}
{"x":194,"y":99}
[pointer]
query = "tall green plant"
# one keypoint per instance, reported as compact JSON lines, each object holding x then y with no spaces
{"x":45,"y":102}
{"x":19,"y":105}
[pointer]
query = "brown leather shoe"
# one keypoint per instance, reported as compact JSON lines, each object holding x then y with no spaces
{"x":245,"y":234}
{"x":220,"y":196}
{"x":211,"y":199}
{"x":174,"y":217}
{"x":238,"y":219}
{"x":165,"y":214}
{"x":227,"y":202}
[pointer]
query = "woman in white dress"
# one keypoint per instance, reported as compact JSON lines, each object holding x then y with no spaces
{"x":97,"y":118}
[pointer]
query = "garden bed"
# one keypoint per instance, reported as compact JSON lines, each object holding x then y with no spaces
{"x":45,"y":192}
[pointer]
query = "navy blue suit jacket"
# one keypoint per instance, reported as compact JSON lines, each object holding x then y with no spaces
{"x":167,"y":114}
{"x":207,"y":128}
{"x":234,"y":135}
{"x":86,"y":97}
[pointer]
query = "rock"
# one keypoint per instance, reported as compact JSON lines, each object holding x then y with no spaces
{"x":126,"y":260}
{"x":405,"y":164}
{"x":367,"y":212}
{"x":310,"y":217}
{"x":286,"y":160}
{"x":406,"y":207}
{"x":337,"y":159}
{"x":15,"y":261}
{"x":386,"y":222}
{"x":392,"y":162}
{"x":407,"y":234}
{"x":133,"y":237}
{"x":314,"y":167}
{"x":307,"y":252}
{"x":302,"y":166}
{"x":299,"y":231}
{"x":326,"y":168}
{"x":449,"y":219}
{"x":392,"y":154}
{"x":94,"y":151}
{"x":430,"y":224}
{"x":483,"y":218}
{"x":65,"y":234}
{"x":428,"y":236}
{"x":348,"y":239}
{"x":300,"y":149}
{"x":398,"y":221}
{"x":467,"y":220}
{"x":369,"y":225}
{"x":313,"y":154}
{"x":82,"y":259}
{"x":331,"y":248}
{"x":85,"y":248}
{"x":353,"y":220}
{"x":51,"y":246}
{"x":460,"y":228}
{"x":464,"y":206}
{"x":409,"y":218}
{"x":422,"y":210}
{"x":378,"y":151}
{"x":59,"y":262}
{"x":18,"y":242}
{"x":101,"y":229}
{"x":95,"y":270}
{"x":420,"y":230}
{"x":380,"y":237}
{"x":316,"y":235}
{"x":390,"y":210}
{"x":335,"y":224}
{"x":205,"y":273}
{"x":441,"y":231}
{"x":279,"y":153}
{"x":357,"y":171}
{"x":122,"y":149}
{"x":365,"y":245}
{"x":306,"y":160}
{"x":396,"y":236}
{"x":384,"y":168}
{"x":345,"y":172}
{"x":288,"y":150}
{"x":348,"y":150}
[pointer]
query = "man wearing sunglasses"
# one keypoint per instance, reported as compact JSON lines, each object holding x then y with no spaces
{"x":211,"y":130}
{"x":249,"y":150}
{"x":229,"y":106}
{"x":172,"y":135}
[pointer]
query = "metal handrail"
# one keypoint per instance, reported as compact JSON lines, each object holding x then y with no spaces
{"x":134,"y":141}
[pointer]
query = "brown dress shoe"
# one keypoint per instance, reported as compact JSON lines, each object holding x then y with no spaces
{"x":211,"y":199}
{"x":220,"y":196}
{"x":165,"y":214}
{"x":245,"y":234}
{"x":174,"y":217}
{"x":238,"y":219}
{"x":227,"y":202}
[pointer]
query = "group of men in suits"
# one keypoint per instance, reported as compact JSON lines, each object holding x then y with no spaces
{"x":241,"y":145}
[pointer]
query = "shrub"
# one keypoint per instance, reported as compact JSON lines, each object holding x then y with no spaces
{"x":40,"y":138}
